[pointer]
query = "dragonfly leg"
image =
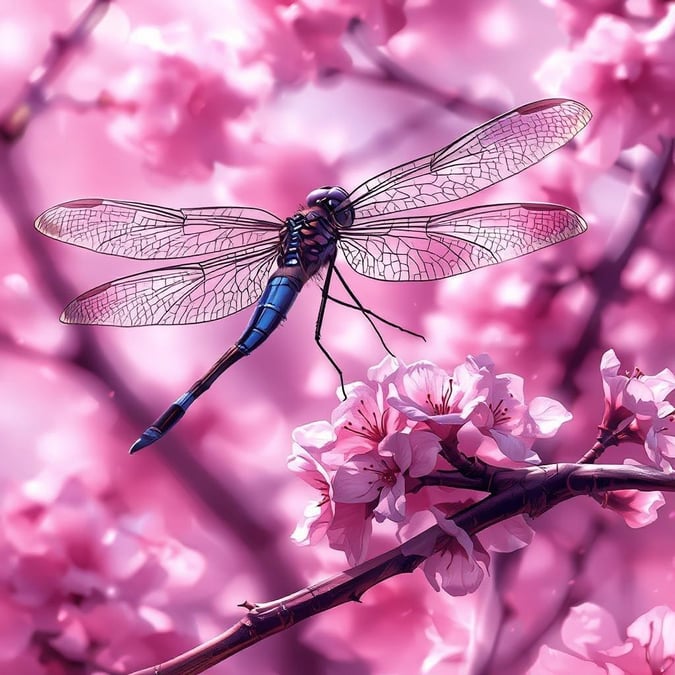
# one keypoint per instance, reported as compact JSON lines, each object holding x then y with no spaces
{"x":319,"y":323}
{"x":366,"y":312}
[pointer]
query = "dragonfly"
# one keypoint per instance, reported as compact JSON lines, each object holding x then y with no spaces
{"x":248,"y":254}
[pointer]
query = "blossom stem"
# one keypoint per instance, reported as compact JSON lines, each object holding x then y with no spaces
{"x":469,"y":466}
{"x":606,"y":438}
{"x":33,"y":97}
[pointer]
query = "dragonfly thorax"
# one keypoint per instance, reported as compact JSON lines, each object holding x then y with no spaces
{"x":308,"y":241}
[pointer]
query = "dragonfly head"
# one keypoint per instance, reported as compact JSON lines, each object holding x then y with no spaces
{"x":335,"y":201}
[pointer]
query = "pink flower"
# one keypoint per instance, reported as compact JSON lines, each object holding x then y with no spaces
{"x":73,"y":559}
{"x":175,"y":110}
{"x":507,"y":535}
{"x":623,"y":69}
{"x":653,"y":638}
{"x":350,"y":530}
{"x":426,"y":393}
{"x":636,"y":409}
{"x":318,"y":440}
{"x":380,"y":476}
{"x":458,"y":565}
{"x":635,"y":507}
{"x":319,"y":512}
{"x":660,"y":437}
{"x":507,"y":419}
{"x":306,"y":40}
{"x":364,"y":419}
{"x":347,"y":526}
{"x":625,"y":395}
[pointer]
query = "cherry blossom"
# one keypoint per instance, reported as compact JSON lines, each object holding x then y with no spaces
{"x":622,"y":67}
{"x":380,"y":476}
{"x":319,"y":512}
{"x":459,"y":565}
{"x":73,"y":568}
{"x":637,"y":409}
{"x":364,"y":464}
{"x":507,"y":419}
{"x":363,"y":419}
{"x":635,"y":507}
{"x":426,"y":393}
{"x":176,"y":112}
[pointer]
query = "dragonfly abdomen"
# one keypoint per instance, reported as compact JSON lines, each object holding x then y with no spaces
{"x":277,"y":298}
{"x":279,"y":295}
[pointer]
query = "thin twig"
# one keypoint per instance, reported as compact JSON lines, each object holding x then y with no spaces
{"x":34,"y":95}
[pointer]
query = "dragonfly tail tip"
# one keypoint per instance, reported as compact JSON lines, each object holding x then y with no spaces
{"x":148,"y":437}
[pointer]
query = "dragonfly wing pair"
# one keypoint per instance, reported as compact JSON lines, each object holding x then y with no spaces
{"x":179,"y":294}
{"x":245,"y":241}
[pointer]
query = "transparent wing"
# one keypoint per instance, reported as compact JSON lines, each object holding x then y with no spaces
{"x":135,"y":230}
{"x":189,"y":293}
{"x":497,"y":149}
{"x":419,"y":248}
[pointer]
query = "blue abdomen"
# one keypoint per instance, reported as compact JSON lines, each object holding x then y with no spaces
{"x":271,"y":310}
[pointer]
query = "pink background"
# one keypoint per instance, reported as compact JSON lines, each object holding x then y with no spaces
{"x":115,"y":562}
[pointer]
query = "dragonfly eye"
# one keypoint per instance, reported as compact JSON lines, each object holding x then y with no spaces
{"x":330,"y":198}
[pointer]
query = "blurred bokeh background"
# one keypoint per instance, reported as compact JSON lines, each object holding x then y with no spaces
{"x":109,"y":562}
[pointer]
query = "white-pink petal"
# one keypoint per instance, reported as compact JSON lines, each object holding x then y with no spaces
{"x":507,"y":535}
{"x":548,"y":415}
{"x":589,"y":629}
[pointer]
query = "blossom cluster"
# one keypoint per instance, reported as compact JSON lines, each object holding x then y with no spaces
{"x":83,"y":582}
{"x":408,"y":423}
{"x":622,"y":65}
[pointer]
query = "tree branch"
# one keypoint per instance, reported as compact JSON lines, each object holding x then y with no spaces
{"x":532,"y":491}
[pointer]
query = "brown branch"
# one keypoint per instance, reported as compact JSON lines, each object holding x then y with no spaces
{"x":33,"y":97}
{"x":532,"y":491}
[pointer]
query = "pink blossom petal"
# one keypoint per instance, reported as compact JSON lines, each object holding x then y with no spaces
{"x":455,"y":565}
{"x":507,"y":535}
{"x":358,"y":480}
{"x":318,"y":516}
{"x":397,"y":446}
{"x":635,"y":507}
{"x":548,"y":415}
{"x":392,"y":505}
{"x":350,"y":531}
{"x":425,"y":448}
{"x":469,"y":439}
{"x":385,"y":370}
{"x":655,"y":631}
{"x":589,"y":629}
{"x":315,"y":437}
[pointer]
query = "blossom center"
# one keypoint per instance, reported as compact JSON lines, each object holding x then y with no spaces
{"x":385,"y":474}
{"x":372,"y":424}
{"x":500,"y":413}
{"x":443,"y":406}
